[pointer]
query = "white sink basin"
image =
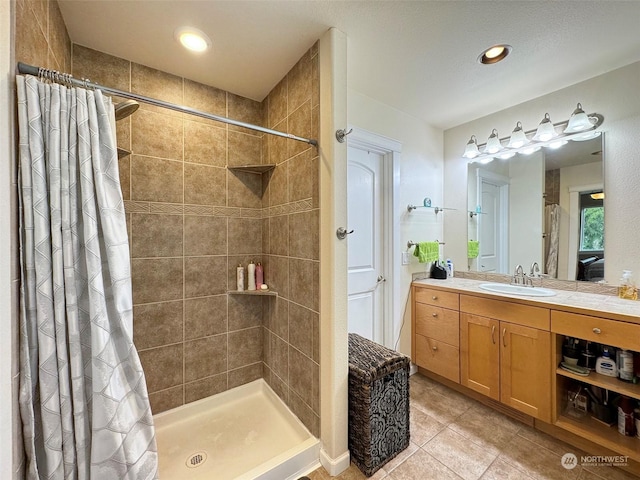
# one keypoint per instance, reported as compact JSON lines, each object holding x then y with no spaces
{"x":517,"y":290}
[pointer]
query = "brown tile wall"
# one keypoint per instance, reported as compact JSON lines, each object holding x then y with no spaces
{"x":41,"y":39}
{"x":191,"y":221}
{"x":552,"y":187}
{"x":290,"y":243}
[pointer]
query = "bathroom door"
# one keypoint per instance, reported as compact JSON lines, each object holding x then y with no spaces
{"x":493,"y":225}
{"x":364,"y":215}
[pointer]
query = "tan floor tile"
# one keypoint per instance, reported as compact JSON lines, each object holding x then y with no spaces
{"x":465,"y":458}
{"x":402,"y":456}
{"x":440,"y":407}
{"x":500,"y":470}
{"x":422,"y":466}
{"x":538,"y":462}
{"x":607,"y":473}
{"x":423,"y":427}
{"x":488,"y":430}
{"x":547,"y":441}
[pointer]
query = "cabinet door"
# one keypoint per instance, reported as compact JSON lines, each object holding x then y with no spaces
{"x":480,"y":354}
{"x":525,"y":370}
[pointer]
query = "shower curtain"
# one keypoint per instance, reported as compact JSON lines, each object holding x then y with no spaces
{"x":552,"y":227}
{"x":83,"y":398}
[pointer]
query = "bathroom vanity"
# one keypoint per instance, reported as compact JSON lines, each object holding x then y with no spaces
{"x":505,"y":351}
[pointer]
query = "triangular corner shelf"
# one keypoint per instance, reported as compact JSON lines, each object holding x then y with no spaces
{"x":255,"y":169}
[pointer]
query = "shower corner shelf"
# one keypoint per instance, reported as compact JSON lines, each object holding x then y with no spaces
{"x":264,"y":293}
{"x":123,"y":153}
{"x":258,"y":169}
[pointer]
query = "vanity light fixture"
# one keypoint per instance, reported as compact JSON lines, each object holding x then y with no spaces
{"x":494,"y":54}
{"x":192,"y":39}
{"x":597,"y":195}
{"x":578,"y":122}
{"x":471,"y":150}
{"x":546,"y":131}
{"x":526,"y":143}
{"x":518,"y":138}
{"x":493,"y":143}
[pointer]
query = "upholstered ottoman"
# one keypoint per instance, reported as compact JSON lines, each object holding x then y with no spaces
{"x":378,"y":403}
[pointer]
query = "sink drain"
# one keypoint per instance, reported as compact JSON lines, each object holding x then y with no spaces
{"x":196,"y":459}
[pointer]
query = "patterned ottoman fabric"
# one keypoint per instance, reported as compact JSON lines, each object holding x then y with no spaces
{"x":378,"y":403}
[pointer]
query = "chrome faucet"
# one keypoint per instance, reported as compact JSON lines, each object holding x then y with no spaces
{"x":535,"y":270}
{"x":520,"y":278}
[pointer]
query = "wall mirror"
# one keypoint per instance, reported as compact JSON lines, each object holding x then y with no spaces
{"x":546,"y":207}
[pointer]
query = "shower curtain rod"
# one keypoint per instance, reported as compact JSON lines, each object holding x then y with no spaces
{"x":65,"y":78}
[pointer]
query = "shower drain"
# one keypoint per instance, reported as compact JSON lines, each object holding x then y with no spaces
{"x":197,"y":459}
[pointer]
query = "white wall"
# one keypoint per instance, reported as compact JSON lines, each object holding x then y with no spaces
{"x":614,"y":95}
{"x":421,"y":172}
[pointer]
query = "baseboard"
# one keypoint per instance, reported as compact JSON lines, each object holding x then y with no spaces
{"x":335,"y":466}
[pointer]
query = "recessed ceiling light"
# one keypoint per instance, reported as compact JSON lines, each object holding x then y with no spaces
{"x":193,"y":39}
{"x":494,"y":54}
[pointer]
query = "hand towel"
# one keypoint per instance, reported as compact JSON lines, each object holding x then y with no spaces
{"x":427,"y":251}
{"x":473,"y":249}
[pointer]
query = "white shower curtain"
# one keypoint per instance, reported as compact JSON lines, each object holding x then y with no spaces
{"x":83,"y":398}
{"x":552,"y":227}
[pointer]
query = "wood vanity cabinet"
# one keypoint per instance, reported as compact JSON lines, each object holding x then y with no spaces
{"x":435,"y":344}
{"x":505,"y":353}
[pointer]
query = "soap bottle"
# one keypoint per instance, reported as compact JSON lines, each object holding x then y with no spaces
{"x":449,"y":268}
{"x":240,"y":277}
{"x":605,"y":365}
{"x":627,"y":288}
{"x":259,"y":275}
{"x":251,"y":276}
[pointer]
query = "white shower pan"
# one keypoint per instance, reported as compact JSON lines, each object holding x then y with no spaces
{"x":246,"y":433}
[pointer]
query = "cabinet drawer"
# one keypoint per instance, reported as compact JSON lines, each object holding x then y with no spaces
{"x":596,"y":329}
{"x":526,"y":315}
{"x":437,"y":297}
{"x":438,"y":323}
{"x":438,"y":357}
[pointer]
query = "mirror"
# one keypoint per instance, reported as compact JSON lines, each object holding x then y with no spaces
{"x":546,"y":207}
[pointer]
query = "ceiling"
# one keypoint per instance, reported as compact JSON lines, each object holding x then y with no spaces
{"x":416,"y":56}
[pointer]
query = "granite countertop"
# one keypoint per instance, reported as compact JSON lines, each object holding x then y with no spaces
{"x":577,"y":302}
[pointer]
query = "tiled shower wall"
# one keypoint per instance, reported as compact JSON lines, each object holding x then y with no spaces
{"x":41,"y":39}
{"x":191,"y":221}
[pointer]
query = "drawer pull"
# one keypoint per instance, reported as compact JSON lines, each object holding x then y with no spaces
{"x":434,"y":314}
{"x":504,"y":343}
{"x":434,"y":298}
{"x":493,"y":331}
{"x":435,"y":348}
{"x":597,"y":331}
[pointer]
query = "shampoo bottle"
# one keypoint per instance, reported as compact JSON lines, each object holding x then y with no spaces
{"x":259,"y":276}
{"x":251,"y":276}
{"x":240,"y":277}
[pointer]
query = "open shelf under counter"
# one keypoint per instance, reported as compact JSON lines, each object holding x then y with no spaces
{"x":609,"y":383}
{"x":264,"y":293}
{"x":601,"y":434}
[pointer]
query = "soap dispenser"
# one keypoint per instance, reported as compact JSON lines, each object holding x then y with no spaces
{"x":627,"y":288}
{"x":605,"y":365}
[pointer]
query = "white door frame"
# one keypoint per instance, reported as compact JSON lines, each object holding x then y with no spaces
{"x":390,"y":151}
{"x":503,"y":237}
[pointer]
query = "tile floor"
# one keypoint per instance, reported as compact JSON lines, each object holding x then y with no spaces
{"x":455,"y":437}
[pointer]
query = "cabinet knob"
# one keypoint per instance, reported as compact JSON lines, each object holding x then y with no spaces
{"x":435,"y":347}
{"x":434,"y":314}
{"x":434,"y":298}
{"x":597,"y":331}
